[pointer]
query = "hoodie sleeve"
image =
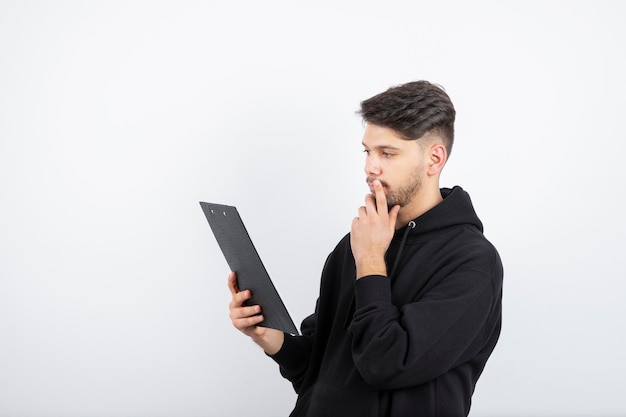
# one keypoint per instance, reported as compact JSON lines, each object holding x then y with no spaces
{"x":294,"y":356}
{"x":401,"y":347}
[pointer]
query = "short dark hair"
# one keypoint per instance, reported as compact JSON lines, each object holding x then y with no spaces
{"x":413,"y":110}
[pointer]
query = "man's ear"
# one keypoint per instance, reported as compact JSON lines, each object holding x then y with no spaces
{"x":437,"y":157}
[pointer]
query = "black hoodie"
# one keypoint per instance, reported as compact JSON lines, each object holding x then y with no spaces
{"x":413,"y":344}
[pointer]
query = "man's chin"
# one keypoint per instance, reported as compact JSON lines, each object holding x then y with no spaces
{"x":392,"y":202}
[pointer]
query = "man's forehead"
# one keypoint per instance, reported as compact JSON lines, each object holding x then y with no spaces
{"x":382,"y":137}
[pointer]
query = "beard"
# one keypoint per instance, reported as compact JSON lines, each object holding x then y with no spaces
{"x":404,"y":193}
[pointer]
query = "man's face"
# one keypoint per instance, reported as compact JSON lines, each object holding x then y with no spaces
{"x":396,"y":162}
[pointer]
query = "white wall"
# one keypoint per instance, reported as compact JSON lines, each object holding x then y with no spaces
{"x":116,"y":118}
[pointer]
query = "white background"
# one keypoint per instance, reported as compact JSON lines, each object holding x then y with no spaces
{"x":117,"y":117}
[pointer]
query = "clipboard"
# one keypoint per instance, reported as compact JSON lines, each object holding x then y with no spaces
{"x":242,"y":257}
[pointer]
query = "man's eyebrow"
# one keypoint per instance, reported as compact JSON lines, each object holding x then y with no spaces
{"x":395,"y":148}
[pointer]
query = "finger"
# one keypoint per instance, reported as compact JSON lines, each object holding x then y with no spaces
{"x":354,"y":225}
{"x":370,"y":204}
{"x":241,"y":297}
{"x":381,"y":198}
{"x":244,"y":312}
{"x":232,"y":283}
{"x":244,"y":323}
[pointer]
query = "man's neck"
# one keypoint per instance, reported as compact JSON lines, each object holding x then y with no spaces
{"x":422,"y":202}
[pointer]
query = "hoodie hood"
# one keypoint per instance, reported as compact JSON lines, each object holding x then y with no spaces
{"x":456,"y":209}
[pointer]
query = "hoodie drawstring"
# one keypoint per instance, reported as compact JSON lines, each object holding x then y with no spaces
{"x":410,"y":227}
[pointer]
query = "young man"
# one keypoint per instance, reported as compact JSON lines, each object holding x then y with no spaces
{"x":409,"y":308}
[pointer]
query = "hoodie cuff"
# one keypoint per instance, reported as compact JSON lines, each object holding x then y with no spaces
{"x":290,"y":355}
{"x":372,"y":289}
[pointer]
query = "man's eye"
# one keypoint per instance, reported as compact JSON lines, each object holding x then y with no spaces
{"x":366,"y":152}
{"x":387,"y":154}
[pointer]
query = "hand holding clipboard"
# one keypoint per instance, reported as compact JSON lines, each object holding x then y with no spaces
{"x":242,"y":258}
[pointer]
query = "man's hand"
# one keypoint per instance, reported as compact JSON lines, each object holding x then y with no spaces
{"x":372,"y":232}
{"x":246,"y":319}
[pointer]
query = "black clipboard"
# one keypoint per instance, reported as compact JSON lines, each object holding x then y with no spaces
{"x":242,"y":257}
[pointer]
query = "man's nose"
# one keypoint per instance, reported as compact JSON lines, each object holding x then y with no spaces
{"x":372,"y":165}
